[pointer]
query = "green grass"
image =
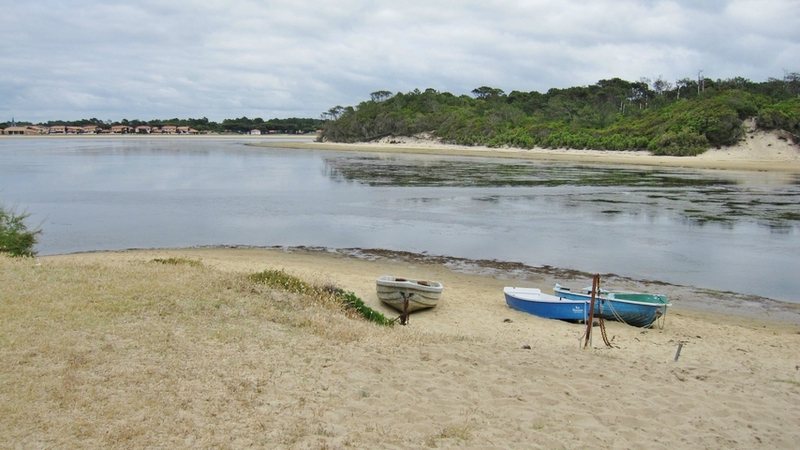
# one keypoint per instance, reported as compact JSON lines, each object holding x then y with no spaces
{"x":279,"y":279}
{"x":353,"y":302}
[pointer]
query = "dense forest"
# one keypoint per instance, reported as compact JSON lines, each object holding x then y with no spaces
{"x":682,"y":118}
{"x":241,"y":125}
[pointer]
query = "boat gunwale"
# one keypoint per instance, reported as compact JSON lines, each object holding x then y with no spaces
{"x":621,"y":300}
{"x":410,"y":283}
{"x":558,"y":300}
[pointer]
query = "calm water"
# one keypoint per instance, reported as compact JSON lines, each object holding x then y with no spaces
{"x":720,"y":230}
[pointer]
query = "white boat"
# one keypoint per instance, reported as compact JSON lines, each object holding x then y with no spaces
{"x":421,"y":294}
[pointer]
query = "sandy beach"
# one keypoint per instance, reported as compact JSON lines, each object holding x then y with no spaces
{"x":761,"y":151}
{"x":470,"y":373}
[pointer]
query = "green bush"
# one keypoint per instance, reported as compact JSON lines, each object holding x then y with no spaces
{"x":15,"y":237}
{"x":681,"y":143}
{"x":781,"y":116}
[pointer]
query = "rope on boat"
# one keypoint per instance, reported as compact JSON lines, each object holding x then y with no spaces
{"x":614,"y":312}
{"x":661,"y":321}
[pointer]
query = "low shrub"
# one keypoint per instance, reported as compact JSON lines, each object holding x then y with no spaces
{"x":15,"y":237}
{"x":681,"y":143}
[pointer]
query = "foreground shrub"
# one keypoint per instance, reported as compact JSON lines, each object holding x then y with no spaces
{"x":15,"y":237}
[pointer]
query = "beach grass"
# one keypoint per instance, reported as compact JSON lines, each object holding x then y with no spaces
{"x":142,"y":354}
{"x":176,"y":261}
{"x":279,"y":279}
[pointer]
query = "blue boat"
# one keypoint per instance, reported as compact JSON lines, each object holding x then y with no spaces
{"x":632,"y":308}
{"x":534,"y":301}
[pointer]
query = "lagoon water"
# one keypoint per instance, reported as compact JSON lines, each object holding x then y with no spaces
{"x":722,"y":230}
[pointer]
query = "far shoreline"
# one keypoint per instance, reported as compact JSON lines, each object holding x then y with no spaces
{"x":764,"y":152}
{"x":759,"y":152}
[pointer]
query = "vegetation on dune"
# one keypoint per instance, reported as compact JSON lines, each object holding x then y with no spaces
{"x":177,"y":261}
{"x":684,"y":118}
{"x":15,"y":237}
{"x":282,"y":280}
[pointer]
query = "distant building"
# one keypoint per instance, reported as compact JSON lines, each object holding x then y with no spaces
{"x":58,"y":129}
{"x":121,"y":129}
{"x":169,"y":129}
{"x":143,"y":129}
{"x":22,"y":131}
{"x":255,"y":131}
{"x":91,"y":129}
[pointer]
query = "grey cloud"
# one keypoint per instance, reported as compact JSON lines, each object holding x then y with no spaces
{"x":146,"y":59}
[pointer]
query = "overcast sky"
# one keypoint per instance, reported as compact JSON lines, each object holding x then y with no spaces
{"x":109,"y":59}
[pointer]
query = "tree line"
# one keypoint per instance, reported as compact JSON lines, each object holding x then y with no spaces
{"x":292,"y":125}
{"x":682,"y":118}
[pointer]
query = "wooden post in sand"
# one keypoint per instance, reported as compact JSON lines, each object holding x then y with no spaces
{"x":590,"y":320}
{"x":678,"y":353}
{"x":404,"y":316}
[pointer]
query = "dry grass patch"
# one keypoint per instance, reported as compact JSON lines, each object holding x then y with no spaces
{"x":454,"y":433}
{"x":142,"y":354}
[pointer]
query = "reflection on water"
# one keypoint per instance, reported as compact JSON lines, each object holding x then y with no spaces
{"x":485,"y":172}
{"x":735,"y":231}
{"x":698,"y":196}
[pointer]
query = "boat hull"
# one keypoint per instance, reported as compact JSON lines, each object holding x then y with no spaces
{"x":533,"y":301}
{"x":421,"y":294}
{"x":639,"y":310}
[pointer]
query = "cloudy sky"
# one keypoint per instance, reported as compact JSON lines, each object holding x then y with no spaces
{"x":148,"y":59}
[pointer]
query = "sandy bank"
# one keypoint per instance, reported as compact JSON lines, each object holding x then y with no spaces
{"x":348,"y":268}
{"x":758,"y":151}
{"x":469,"y":373}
